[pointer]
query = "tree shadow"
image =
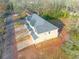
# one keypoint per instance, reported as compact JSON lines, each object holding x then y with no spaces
{"x":9,"y":51}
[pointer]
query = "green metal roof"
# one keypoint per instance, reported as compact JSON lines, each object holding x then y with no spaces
{"x":41,"y":25}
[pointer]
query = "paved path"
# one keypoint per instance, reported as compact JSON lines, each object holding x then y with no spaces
{"x":9,"y":47}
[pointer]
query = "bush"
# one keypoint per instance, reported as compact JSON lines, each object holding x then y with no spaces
{"x":71,"y":47}
{"x":55,"y":14}
{"x":2,"y":30}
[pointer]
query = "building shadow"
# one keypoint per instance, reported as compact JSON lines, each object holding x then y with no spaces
{"x":58,"y":23}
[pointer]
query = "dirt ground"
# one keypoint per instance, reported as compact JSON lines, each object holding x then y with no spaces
{"x":47,"y":50}
{"x":2,"y":8}
{"x":50,"y":49}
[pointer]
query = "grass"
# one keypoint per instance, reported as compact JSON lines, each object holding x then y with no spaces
{"x":2,"y":30}
{"x":71,"y":49}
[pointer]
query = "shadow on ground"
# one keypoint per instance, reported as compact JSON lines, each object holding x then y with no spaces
{"x":58,"y":23}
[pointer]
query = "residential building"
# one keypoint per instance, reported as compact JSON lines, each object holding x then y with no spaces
{"x":35,"y":30}
{"x":41,"y":30}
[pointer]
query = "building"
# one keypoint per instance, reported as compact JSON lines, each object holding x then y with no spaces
{"x":34,"y":30}
{"x":41,"y":30}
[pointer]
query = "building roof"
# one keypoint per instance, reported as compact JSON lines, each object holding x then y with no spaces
{"x":40,"y":24}
{"x":34,"y":35}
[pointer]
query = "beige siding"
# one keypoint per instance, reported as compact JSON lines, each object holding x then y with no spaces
{"x":42,"y":37}
{"x":47,"y":36}
{"x":24,"y":44}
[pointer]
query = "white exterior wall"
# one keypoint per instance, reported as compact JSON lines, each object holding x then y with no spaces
{"x":46,"y":36}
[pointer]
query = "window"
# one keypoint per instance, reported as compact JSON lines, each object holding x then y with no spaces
{"x":49,"y":32}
